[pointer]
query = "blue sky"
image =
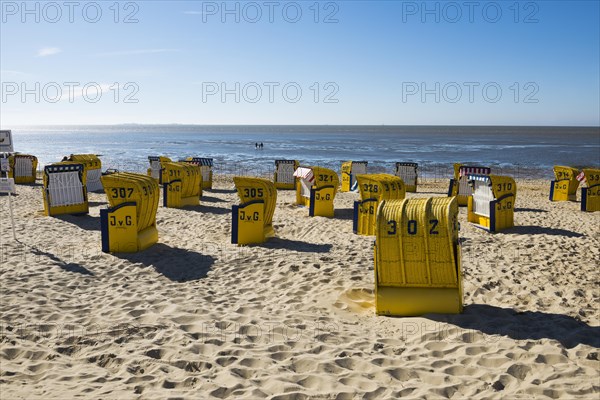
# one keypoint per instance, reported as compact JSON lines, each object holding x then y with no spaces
{"x":345,"y":62}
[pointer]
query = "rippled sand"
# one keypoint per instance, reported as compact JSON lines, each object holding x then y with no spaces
{"x":197,"y":317}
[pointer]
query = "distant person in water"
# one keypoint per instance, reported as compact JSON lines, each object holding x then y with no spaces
{"x":256,"y":145}
{"x":261,"y":145}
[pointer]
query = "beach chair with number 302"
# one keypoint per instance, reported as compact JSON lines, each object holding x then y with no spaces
{"x":417,"y":257}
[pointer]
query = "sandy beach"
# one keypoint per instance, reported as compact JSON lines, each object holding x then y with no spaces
{"x":197,"y":317}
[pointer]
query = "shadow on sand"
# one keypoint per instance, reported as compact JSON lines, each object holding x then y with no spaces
{"x":221,"y":190}
{"x":296,"y":245}
{"x":527,"y":325}
{"x":541,"y":230}
{"x":210,"y":199}
{"x":86,"y":222}
{"x":179,"y":265}
{"x":202,"y":208}
{"x":69,"y":267}
{"x":533,"y":210}
{"x":344,"y":213}
{"x":97,"y":203}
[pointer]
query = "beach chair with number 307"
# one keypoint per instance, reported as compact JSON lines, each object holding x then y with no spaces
{"x":129,"y":224}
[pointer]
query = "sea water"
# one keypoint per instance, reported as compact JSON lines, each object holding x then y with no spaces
{"x":522,"y":151}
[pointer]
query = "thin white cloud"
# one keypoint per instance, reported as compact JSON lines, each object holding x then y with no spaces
{"x":135,"y":52}
{"x":193,"y":12}
{"x":5,"y":73}
{"x":99,"y":89}
{"x":48,"y":51}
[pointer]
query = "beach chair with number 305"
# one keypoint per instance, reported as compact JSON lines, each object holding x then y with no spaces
{"x":252,"y":220}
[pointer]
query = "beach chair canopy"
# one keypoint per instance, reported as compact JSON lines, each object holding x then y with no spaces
{"x":417,"y":257}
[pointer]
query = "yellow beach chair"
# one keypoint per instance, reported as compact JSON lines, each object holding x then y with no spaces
{"x":206,"y":168}
{"x":564,"y":187}
{"x":417,"y":257}
{"x":407,"y":171}
{"x":373,"y":189}
{"x":284,"y":174}
{"x":129,"y":224}
{"x":155,"y":169}
{"x":92,"y":169}
{"x":64,"y":189}
{"x":590,"y":195}
{"x":459,"y":185}
{"x":23,"y":168}
{"x":252,"y":220}
{"x":492,"y":205}
{"x":350,"y":170}
{"x":316,"y":189}
{"x":182,"y":184}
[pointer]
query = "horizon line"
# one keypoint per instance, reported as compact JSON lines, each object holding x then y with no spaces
{"x":303,"y":125}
